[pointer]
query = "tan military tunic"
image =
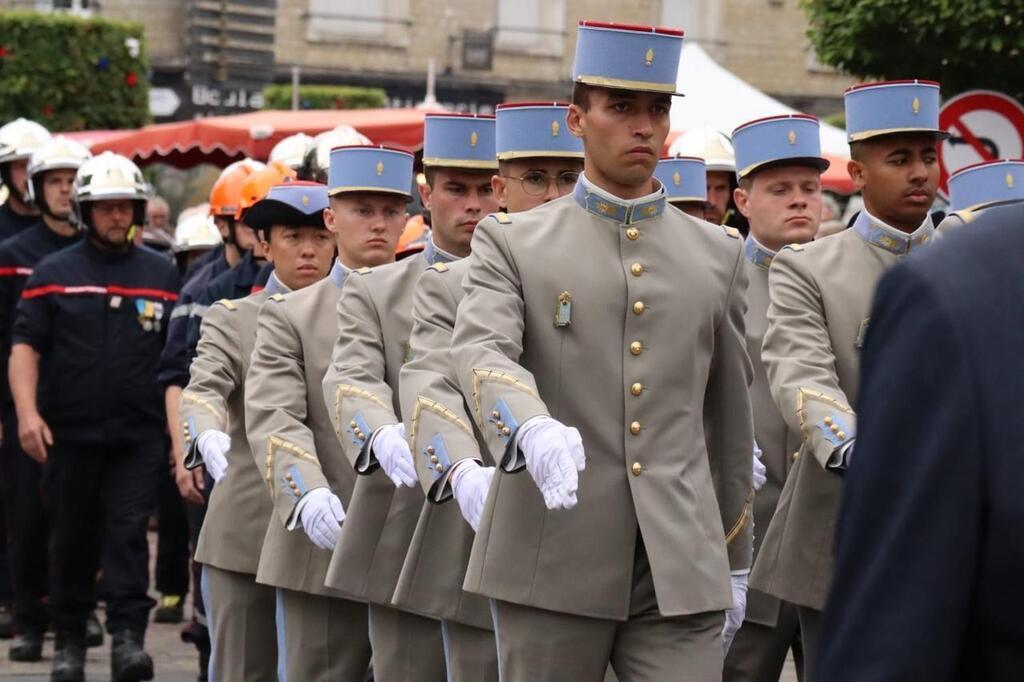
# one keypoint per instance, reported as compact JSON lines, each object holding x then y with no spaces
{"x":439,"y":427}
{"x":290,"y":429}
{"x":625,"y":321}
{"x":239,"y":509}
{"x":817,"y":318}
{"x":777,"y":441}
{"x":372,"y":343}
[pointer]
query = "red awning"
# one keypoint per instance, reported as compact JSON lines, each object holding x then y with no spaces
{"x":219,"y":140}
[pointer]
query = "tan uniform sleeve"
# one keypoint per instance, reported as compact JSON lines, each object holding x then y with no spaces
{"x":729,"y":426}
{"x":487,"y":344}
{"x":213,"y":376}
{"x":276,"y":411}
{"x":800,"y":362}
{"x":354,"y":385}
{"x":437,"y":423}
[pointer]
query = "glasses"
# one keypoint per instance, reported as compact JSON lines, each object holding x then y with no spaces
{"x":536,"y":183}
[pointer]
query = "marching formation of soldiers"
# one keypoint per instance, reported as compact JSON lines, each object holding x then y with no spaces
{"x":583,"y":428}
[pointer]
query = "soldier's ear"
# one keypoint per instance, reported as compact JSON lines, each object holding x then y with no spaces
{"x":857,"y":172}
{"x":574,"y":119}
{"x":425,"y":190}
{"x":741,"y":198}
{"x":500,"y":188}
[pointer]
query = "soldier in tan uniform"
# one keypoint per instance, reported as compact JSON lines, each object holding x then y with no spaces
{"x":241,"y":612}
{"x":979,"y":187}
{"x":291,"y":431}
{"x":780,"y":195}
{"x":538,"y":160}
{"x":361,"y":388}
{"x":820,"y":294}
{"x":600,"y":346}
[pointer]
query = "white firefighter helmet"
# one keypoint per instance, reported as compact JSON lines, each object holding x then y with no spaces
{"x":109,"y":176}
{"x":196,"y":231}
{"x":318,"y":158}
{"x":709,"y":144}
{"x":292,"y":150}
{"x":58,"y":153}
{"x":21,"y":137}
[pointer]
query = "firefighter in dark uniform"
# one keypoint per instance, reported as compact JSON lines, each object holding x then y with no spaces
{"x":18,"y":139}
{"x":51,"y":172}
{"x":83,"y":371}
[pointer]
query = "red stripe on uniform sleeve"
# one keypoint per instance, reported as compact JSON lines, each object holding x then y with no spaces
{"x":15,"y":272}
{"x":114,"y":290}
{"x":151,"y":293}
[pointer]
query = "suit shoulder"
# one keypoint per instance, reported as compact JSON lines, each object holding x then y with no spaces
{"x":226,"y":303}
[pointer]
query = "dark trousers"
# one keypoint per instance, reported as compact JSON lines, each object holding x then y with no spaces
{"x":195,"y":514}
{"x":102,"y":495}
{"x":172,"y":549}
{"x":29,"y":523}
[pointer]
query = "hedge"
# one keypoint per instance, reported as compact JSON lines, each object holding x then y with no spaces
{"x":71,"y":73}
{"x":279,"y":96}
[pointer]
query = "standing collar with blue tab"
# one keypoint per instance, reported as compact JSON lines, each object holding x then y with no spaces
{"x":875,"y":232}
{"x":432,"y":253}
{"x":275,"y":286}
{"x":338,"y":273}
{"x":595,"y":200}
{"x":758,"y":254}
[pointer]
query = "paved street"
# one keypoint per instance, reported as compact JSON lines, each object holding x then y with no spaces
{"x":174,"y":660}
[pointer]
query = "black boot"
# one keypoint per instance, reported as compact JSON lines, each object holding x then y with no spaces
{"x":93,"y":631}
{"x":27,"y":647}
{"x":128,"y":661}
{"x":68,"y":662}
{"x":204,"y":661}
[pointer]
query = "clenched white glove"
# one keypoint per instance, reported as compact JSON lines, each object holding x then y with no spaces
{"x":760,"y":471}
{"x":321,"y":517}
{"x":554,"y":456}
{"x":214,"y":446}
{"x":734,"y":616}
{"x":392,"y":451}
{"x":470,"y":487}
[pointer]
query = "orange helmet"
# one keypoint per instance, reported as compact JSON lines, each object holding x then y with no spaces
{"x":228,"y":188}
{"x":259,"y":183}
{"x":414,"y":237}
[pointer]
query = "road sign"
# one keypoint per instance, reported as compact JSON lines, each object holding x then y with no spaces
{"x":983,"y":125}
{"x":163,"y":102}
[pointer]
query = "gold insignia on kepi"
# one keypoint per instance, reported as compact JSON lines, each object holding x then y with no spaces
{"x":380,"y":168}
{"x":473,"y":140}
{"x":555,"y":128}
{"x":649,"y":57}
{"x":916,"y":106}
{"x":676,"y":178}
{"x":305,"y":200}
{"x":792,"y":137}
{"x":1009,"y":181}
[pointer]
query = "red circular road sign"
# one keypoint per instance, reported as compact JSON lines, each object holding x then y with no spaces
{"x":983,"y":125}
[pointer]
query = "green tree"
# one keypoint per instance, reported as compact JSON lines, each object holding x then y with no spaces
{"x":70,"y":73}
{"x":963,"y":44}
{"x":325,"y":97}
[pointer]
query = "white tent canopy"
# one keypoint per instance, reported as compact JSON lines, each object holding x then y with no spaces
{"x":717,"y":98}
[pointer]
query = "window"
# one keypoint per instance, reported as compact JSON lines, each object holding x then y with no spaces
{"x":532,"y":26}
{"x":380,"y":20}
{"x":82,"y":7}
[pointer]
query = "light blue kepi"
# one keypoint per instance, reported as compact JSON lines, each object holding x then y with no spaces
{"x":370,"y":169}
{"x":459,"y":141}
{"x":293,"y":203}
{"x":626,"y":57}
{"x":685,"y":179}
{"x":892,"y":108}
{"x":535,"y":130}
{"x":986,"y":183}
{"x":791,"y":139}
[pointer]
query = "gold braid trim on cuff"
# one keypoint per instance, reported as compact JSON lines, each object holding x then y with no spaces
{"x":189,"y":397}
{"x":482,"y":375}
{"x":273,"y":443}
{"x":438,"y":409}
{"x":741,"y":521}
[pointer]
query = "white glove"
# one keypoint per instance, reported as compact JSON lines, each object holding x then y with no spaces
{"x":392,"y":451}
{"x":472,"y":482}
{"x":321,"y":517}
{"x":734,"y":616}
{"x":554,"y":455}
{"x":760,"y":471}
{"x":213,"y":446}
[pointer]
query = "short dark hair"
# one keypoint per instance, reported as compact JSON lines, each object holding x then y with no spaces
{"x":581,"y":95}
{"x":746,"y":182}
{"x":857,"y":151}
{"x":429,"y":173}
